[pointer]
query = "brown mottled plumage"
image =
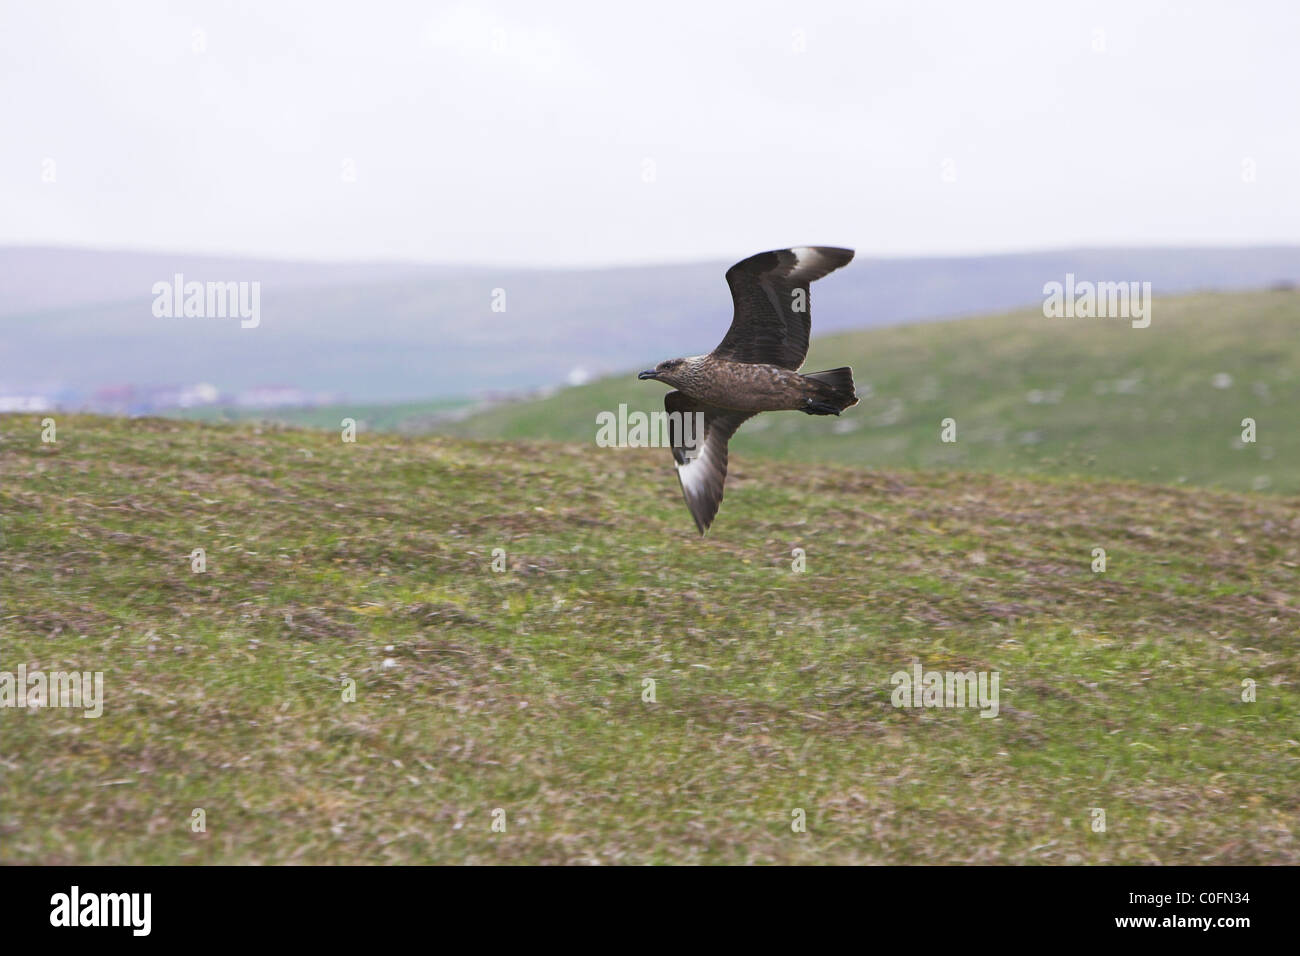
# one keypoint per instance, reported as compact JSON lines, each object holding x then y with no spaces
{"x":754,"y":369}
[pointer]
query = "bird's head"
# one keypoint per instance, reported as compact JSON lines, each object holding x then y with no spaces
{"x":667,"y":371}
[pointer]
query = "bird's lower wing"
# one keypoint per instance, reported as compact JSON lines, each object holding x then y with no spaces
{"x":699,"y":441}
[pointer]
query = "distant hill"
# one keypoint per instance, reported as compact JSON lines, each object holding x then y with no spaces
{"x":80,"y":320}
{"x":1028,"y":394}
{"x":40,"y":278}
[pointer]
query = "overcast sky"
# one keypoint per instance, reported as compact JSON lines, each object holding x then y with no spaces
{"x":593,"y":133}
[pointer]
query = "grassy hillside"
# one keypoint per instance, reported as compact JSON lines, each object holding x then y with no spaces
{"x":395,"y":417}
{"x":1029,"y":394}
{"x":523,"y":690}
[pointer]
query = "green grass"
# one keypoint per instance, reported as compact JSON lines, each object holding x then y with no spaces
{"x":1091,"y":397}
{"x":523,"y":690}
{"x":396,"y":417}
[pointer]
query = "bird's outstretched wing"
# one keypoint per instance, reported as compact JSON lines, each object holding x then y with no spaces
{"x":701,"y":458}
{"x":772,"y":316}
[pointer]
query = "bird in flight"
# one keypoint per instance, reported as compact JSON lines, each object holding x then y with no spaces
{"x":754,"y":369}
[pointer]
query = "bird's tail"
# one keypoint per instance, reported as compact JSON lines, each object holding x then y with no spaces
{"x":835,"y":387}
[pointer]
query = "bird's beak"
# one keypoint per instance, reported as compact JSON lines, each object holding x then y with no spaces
{"x":648,"y":373}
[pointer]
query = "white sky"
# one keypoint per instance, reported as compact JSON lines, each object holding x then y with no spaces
{"x":517,"y":133}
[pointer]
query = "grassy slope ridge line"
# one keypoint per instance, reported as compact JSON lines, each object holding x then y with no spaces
{"x":523,"y":690}
{"x":1029,"y":394}
{"x":396,"y":417}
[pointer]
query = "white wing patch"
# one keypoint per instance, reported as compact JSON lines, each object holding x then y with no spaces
{"x":695,"y":474}
{"x":809,"y":259}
